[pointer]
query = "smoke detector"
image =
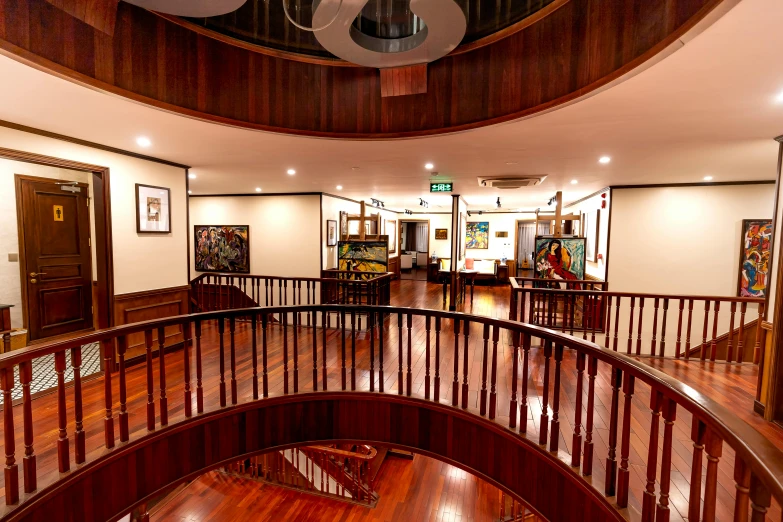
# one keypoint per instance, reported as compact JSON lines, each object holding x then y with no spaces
{"x":510,"y":182}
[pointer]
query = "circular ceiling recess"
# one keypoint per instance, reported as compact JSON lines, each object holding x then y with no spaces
{"x":263,"y":22}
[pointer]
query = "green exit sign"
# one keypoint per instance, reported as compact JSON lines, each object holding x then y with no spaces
{"x":441,"y":187}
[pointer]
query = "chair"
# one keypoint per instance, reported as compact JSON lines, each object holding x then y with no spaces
{"x":406,"y":262}
{"x":445,"y":265}
{"x":422,"y":258}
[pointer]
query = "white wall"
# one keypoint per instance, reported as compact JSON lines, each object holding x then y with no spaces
{"x":10,"y":274}
{"x":597,"y":268}
{"x":331,"y":208}
{"x":284,"y":234}
{"x":682,"y":240}
{"x":441,"y":247}
{"x":141,"y":261}
{"x":505,"y":222}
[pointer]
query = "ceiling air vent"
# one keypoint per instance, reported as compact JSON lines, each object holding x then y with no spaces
{"x":511,"y":182}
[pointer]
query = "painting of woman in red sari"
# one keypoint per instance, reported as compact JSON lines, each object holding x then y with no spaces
{"x":560,"y":258}
{"x":754,"y":257}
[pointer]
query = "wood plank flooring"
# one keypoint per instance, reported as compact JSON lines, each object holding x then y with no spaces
{"x":730,"y":384}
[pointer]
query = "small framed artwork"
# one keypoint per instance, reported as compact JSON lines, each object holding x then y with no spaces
{"x":501,"y":234}
{"x":441,"y":233}
{"x":153,"y":209}
{"x":331,"y":232}
{"x":343,"y":225}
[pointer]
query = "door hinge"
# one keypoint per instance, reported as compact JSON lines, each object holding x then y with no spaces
{"x":89,"y":241}
{"x":88,"y":202}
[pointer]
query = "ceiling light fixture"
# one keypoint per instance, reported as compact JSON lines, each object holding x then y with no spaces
{"x":192,"y":176}
{"x":258,"y":189}
{"x":429,"y":166}
{"x":291,"y":172}
{"x":604,"y":160}
{"x":512,"y":163}
{"x":707,"y":178}
{"x":377,"y":203}
{"x":190,"y":192}
{"x":497,"y":204}
{"x":779,"y":97}
{"x":143,"y":141}
{"x":468,"y":213}
{"x":339,"y":187}
{"x":409,"y":212}
{"x":423,"y":203}
{"x":574,"y":182}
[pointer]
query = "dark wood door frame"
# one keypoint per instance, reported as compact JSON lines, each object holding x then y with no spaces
{"x":103,"y":237}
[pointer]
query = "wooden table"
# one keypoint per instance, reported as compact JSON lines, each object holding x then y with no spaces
{"x":463,"y":277}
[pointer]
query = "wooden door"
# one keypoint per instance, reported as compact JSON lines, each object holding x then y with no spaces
{"x":54,"y":237}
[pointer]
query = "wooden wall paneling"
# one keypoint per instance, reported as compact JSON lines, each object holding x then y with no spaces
{"x":149,"y":305}
{"x":577,"y":48}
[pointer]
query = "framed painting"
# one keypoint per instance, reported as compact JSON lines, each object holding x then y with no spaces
{"x":153,"y":209}
{"x":754,"y":258}
{"x":331,"y":232}
{"x":343,"y":225}
{"x":560,"y":258}
{"x":222,"y":248}
{"x":391,"y":231}
{"x":591,"y":225}
{"x":441,"y":233}
{"x":501,"y":234}
{"x":363,"y":256}
{"x":477,"y":234}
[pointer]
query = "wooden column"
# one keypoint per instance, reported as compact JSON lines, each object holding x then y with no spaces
{"x":361,"y":222}
{"x":559,"y":214}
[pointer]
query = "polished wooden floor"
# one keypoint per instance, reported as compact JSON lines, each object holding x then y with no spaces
{"x":730,"y":384}
{"x":422,"y":489}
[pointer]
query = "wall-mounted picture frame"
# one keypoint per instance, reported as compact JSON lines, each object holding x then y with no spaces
{"x":331,"y":232}
{"x":754,"y":257}
{"x":153,"y":209}
{"x":501,"y":234}
{"x":477,"y":235}
{"x":391,"y":231}
{"x":222,"y":248}
{"x":441,"y":233}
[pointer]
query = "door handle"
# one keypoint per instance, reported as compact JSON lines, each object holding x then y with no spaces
{"x":36,"y":274}
{"x":33,"y":281}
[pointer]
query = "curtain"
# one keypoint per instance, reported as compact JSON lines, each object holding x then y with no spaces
{"x":527,"y":236}
{"x":422,"y":237}
{"x":544,"y":228}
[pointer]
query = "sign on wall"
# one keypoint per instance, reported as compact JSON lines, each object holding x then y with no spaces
{"x":441,"y":187}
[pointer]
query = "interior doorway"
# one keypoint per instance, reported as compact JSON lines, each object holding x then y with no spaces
{"x":414,"y":237}
{"x":55,"y":255}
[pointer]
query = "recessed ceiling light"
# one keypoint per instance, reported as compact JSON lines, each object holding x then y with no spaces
{"x":511,"y":163}
{"x":707,"y":178}
{"x":354,"y":168}
{"x":190,"y":192}
{"x":429,"y":166}
{"x":339,"y":187}
{"x":779,"y":97}
{"x":143,"y":141}
{"x":604,"y":159}
{"x":574,"y":182}
{"x":192,"y":176}
{"x":258,"y":189}
{"x":291,"y":172}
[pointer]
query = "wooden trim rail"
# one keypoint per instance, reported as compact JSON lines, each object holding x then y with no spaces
{"x":500,"y":395}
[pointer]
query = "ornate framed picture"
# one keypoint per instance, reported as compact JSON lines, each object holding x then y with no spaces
{"x":441,"y":233}
{"x":754,"y":257}
{"x":331,"y":232}
{"x":153,"y":209}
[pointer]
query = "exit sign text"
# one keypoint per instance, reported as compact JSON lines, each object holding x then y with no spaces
{"x":440,"y":187}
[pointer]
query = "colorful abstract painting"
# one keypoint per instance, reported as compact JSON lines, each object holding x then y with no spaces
{"x":477,"y":234}
{"x":754,"y":257}
{"x":363,"y":256}
{"x":222,"y":248}
{"x":560,"y":258}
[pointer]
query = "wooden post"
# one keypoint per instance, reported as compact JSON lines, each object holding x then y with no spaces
{"x":558,"y":214}
{"x":361,"y":222}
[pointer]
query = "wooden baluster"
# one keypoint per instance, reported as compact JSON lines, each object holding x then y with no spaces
{"x":11,"y":473}
{"x":730,"y":345}
{"x":714,"y":342}
{"x":639,"y":334}
{"x":544,"y":424}
{"x":342,"y":351}
{"x":484,"y":364}
{"x":107,"y":346}
{"x":608,"y":321}
{"x":616,"y":322}
{"x":436,"y":390}
{"x":253,"y":353}
{"x":714,"y":450}
{"x":596,"y":315}
{"x":221,"y":361}
{"x":29,"y":459}
{"x":400,"y":359}
{"x":150,"y":385}
{"x":554,"y":435}
{"x":655,"y":328}
{"x":669,"y":416}
{"x":525,"y":362}
{"x":465,"y":355}
{"x":742,"y":485}
{"x":703,"y":354}
{"x":565,"y":312}
{"x":315,"y":352}
{"x":324,"y":372}
{"x":264,"y":367}
{"x":757,"y":348}
{"x":698,"y":430}
{"x":380,"y":322}
{"x":630,"y":327}
{"x":199,"y":387}
{"x":409,"y":388}
{"x":586,"y":316}
{"x":455,"y":380}
{"x":587,"y":461}
{"x":164,"y":410}
{"x":576,"y":445}
{"x":79,"y":435}
{"x":648,"y":498}
{"x":688,"y":330}
{"x":284,"y":318}
{"x":427,"y":359}
{"x":295,"y":354}
{"x":571,"y":311}
{"x":371,"y":332}
{"x":741,"y":339}
{"x":532,"y":308}
{"x":625,"y":448}
{"x":233,"y":354}
{"x":662,"y":346}
{"x":760,"y":499}
{"x":678,"y":344}
{"x":186,"y":334}
{"x":611,"y":459}
{"x":122,"y":345}
{"x":493,"y":379}
{"x":512,"y":409}
{"x":353,"y":350}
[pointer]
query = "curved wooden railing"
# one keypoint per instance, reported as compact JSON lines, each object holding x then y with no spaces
{"x":471,"y":363}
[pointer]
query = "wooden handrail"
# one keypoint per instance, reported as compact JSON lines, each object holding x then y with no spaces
{"x":759,"y":462}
